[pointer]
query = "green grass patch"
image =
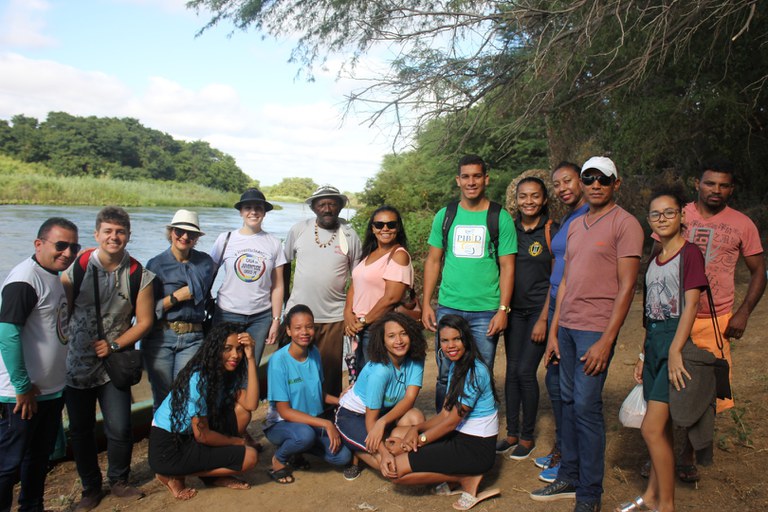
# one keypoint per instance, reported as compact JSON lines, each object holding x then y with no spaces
{"x":36,"y":184}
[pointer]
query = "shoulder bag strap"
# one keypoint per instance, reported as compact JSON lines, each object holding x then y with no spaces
{"x":715,"y":324}
{"x":97,"y":302}
{"x":218,"y":265}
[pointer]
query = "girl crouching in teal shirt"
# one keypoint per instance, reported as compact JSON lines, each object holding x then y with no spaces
{"x":384,"y":393}
{"x":457,"y":446}
{"x":199,"y":428}
{"x":296,"y":400}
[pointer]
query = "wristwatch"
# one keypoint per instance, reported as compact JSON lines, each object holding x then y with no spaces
{"x":505,"y":309}
{"x":113,"y":346}
{"x":423,"y":439}
{"x":362,"y":320}
{"x":174,"y":300}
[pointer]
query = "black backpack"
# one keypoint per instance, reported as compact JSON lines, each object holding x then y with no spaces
{"x":492,"y":221}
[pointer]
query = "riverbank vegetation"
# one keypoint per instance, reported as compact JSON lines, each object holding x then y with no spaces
{"x":36,"y":184}
{"x":116,"y":148}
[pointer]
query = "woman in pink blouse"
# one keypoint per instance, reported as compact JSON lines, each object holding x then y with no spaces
{"x":380,"y":279}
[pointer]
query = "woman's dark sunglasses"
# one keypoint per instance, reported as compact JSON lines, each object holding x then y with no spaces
{"x":192,"y":235}
{"x":62,"y":246}
{"x":392,"y":224}
{"x":602,"y":179}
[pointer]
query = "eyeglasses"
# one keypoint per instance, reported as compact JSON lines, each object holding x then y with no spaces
{"x":392,"y":224}
{"x":192,"y":235}
{"x":669,"y":213}
{"x":62,"y":246}
{"x":602,"y":179}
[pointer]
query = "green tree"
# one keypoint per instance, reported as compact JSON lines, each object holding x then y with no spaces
{"x":655,"y":84}
{"x":294,"y":187}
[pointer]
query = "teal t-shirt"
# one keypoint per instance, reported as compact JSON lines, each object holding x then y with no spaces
{"x":478,"y":393}
{"x":299,"y":383}
{"x":196,"y":408}
{"x":470,"y":273}
{"x":383,"y":386}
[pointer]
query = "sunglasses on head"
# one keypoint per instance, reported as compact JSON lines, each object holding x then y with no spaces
{"x":602,"y":179}
{"x":62,"y":246}
{"x":392,"y":224}
{"x":192,"y":235}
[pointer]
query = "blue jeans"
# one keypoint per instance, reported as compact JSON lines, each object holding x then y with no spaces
{"x":521,"y":389}
{"x":583,"y":426}
{"x":25,"y":446}
{"x":115,"y":406}
{"x":552,"y":381}
{"x":361,"y":352}
{"x":296,"y":438}
{"x":257,"y":325}
{"x":165,"y":353}
{"x":486,"y":346}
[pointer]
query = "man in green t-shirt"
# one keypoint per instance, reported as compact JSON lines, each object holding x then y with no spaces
{"x":477,"y":276}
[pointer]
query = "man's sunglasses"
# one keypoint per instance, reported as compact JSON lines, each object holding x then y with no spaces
{"x":62,"y":246}
{"x":602,"y":179}
{"x":192,"y":235}
{"x":392,"y":224}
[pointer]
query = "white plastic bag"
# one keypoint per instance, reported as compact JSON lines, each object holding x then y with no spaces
{"x":633,"y":409}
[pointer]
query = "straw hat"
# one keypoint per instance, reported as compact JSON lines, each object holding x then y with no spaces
{"x":186,"y":220}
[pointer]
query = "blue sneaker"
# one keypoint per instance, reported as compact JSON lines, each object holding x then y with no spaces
{"x":543,"y":462}
{"x":549,"y":475}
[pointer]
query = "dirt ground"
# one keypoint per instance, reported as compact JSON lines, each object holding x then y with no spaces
{"x":736,"y":480}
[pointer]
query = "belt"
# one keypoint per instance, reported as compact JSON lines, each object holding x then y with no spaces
{"x":180,"y":327}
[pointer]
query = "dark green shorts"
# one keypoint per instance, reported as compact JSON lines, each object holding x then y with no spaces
{"x":658,"y":338}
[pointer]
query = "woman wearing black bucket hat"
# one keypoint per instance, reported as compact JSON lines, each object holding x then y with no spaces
{"x":252,"y":291}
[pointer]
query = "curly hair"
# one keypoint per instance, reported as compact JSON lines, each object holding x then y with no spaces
{"x":675,"y":191}
{"x":464,"y":369}
{"x":369,"y":240}
{"x":282,"y":333}
{"x":216,"y":387}
{"x":377,"y":350}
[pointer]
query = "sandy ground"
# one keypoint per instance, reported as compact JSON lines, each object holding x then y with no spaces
{"x":737,"y":478}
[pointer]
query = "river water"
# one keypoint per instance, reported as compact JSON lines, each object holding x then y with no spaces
{"x":19,"y":225}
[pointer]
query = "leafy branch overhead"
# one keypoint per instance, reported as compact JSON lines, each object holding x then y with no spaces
{"x":533,"y":57}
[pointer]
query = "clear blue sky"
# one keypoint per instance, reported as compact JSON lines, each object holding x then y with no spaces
{"x":141,"y":59}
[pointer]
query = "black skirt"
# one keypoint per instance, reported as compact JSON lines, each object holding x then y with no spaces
{"x":455,"y":454}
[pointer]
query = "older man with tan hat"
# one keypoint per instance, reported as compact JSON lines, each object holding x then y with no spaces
{"x":326,"y":249}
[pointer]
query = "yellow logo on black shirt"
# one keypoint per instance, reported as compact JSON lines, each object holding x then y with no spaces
{"x":535,"y":249}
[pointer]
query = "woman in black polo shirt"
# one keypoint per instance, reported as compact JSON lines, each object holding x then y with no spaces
{"x":526,"y":333}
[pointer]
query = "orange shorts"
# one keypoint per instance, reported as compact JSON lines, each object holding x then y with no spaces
{"x":703,"y":336}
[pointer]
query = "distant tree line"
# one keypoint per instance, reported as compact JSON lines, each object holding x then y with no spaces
{"x":118,"y":148}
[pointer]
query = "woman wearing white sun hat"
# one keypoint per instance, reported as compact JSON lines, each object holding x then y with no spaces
{"x":183,"y":278}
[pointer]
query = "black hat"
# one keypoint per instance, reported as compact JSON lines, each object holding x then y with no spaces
{"x":254,"y":195}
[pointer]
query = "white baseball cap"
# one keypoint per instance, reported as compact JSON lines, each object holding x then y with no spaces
{"x":603,"y":164}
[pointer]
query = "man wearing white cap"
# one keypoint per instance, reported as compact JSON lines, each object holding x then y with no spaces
{"x":326,"y":249}
{"x":602,"y":261}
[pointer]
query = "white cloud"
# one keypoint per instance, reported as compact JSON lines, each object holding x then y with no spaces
{"x":22,"y":24}
{"x":270,"y":141}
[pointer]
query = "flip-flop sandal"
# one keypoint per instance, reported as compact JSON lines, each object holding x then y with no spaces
{"x":635,"y":505}
{"x":230,"y":482}
{"x":282,"y":476}
{"x":687,"y":473}
{"x":185,"y":494}
{"x":444,"y":489}
{"x":467,"y":501}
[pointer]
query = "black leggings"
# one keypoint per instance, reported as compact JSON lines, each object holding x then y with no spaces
{"x":521,"y":388}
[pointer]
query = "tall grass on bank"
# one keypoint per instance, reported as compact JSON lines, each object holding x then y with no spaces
{"x":35,"y":184}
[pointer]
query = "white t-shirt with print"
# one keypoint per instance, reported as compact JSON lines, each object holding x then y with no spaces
{"x":248,"y":264}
